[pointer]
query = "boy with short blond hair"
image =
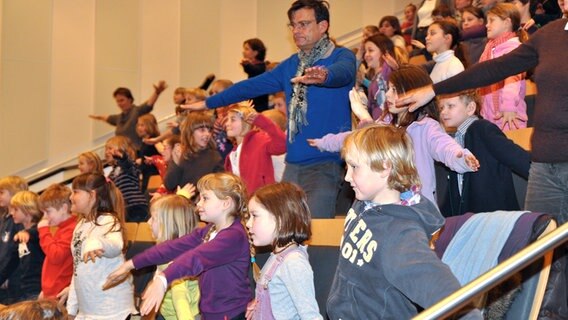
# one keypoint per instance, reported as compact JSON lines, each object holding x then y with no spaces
{"x":386,"y":267}
{"x":57,"y":267}
{"x":9,"y":186}
{"x":24,"y":209}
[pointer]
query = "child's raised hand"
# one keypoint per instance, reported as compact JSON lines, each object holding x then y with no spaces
{"x":148,"y":160}
{"x":150,"y":140}
{"x":152,"y":297}
{"x":118,"y":275}
{"x":470,"y":160}
{"x":138,"y":161}
{"x":251,"y":117}
{"x":43,"y":223}
{"x":93,"y":255}
{"x":62,"y":296}
{"x":187,"y":191}
{"x":315,"y":143}
{"x":390,"y":61}
{"x":359,"y":105}
{"x":176,"y":154}
{"x":172,"y":124}
{"x":250,"y":309}
{"x":417,"y":44}
{"x":509,"y":118}
{"x":22,"y":236}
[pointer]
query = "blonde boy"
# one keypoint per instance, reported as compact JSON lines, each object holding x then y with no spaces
{"x":24,"y":209}
{"x":386,"y":267}
{"x":57,"y":267}
{"x":9,"y":186}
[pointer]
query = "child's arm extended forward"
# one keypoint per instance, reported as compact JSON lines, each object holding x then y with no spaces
{"x":445,"y":149}
{"x":331,"y":142}
{"x":223,"y":249}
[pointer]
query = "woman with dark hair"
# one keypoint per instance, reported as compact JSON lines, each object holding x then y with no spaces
{"x":254,"y":53}
{"x":390,"y":27}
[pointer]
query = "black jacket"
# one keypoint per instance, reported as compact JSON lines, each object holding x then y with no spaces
{"x":491,"y":188}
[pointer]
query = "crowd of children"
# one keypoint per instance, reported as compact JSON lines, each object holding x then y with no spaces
{"x":68,"y":244}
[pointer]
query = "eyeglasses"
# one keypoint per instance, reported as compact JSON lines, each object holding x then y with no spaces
{"x":302,"y":25}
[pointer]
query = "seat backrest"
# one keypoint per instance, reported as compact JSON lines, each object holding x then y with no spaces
{"x":526,"y":302}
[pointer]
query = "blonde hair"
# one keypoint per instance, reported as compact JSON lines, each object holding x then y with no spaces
{"x":27,"y":201}
{"x":123,"y":144}
{"x":13,"y":184}
{"x":219,"y":85}
{"x":226,"y":185}
{"x":198,"y":93}
{"x":383,"y":147}
{"x":93,"y":160}
{"x":242,"y":112}
{"x":229,"y":186}
{"x":151,"y":124}
{"x":55,"y":196}
{"x":179,"y":90}
{"x":195,"y":120}
{"x":176,"y":216}
{"x":508,"y":10}
{"x":277,"y":117}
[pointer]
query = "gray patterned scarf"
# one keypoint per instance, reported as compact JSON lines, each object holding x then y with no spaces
{"x":298,"y":106}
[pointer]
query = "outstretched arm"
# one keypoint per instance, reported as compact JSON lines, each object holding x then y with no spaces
{"x":97,"y":117}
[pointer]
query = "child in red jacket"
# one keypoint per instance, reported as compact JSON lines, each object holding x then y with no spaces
{"x":58,"y":263}
{"x":257,"y":139}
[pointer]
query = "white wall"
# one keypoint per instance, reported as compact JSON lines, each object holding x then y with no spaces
{"x":60,"y":60}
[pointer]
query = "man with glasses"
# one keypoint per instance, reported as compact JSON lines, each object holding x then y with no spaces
{"x":316,"y":81}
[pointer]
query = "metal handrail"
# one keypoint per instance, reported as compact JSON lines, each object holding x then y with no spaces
{"x":486,"y":281}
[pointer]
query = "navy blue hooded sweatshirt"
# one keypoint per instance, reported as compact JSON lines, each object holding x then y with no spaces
{"x":386,"y":267}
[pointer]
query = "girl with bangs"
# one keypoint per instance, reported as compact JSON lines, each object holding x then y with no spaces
{"x":219,"y":254}
{"x":256,"y":139}
{"x":196,"y":156}
{"x":431,"y":143}
{"x":97,"y":247}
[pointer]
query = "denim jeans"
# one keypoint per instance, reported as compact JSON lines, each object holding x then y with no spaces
{"x":321,"y":183}
{"x":547,"y":190}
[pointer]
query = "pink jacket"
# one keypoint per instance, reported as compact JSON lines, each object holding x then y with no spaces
{"x":257,"y":149}
{"x":511,"y":93}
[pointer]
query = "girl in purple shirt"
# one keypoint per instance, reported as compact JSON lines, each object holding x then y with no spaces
{"x":218,"y":254}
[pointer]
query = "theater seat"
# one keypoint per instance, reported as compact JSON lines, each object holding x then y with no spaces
{"x":525,"y":302}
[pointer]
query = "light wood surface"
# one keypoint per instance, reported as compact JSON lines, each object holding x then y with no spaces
{"x":522,"y":137}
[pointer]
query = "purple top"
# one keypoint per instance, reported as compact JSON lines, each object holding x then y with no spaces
{"x":221,"y":264}
{"x":430,"y":143}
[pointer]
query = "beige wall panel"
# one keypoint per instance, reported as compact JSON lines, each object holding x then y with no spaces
{"x":72,"y":78}
{"x":117,"y":58}
{"x":272,"y":29}
{"x":25,"y":91}
{"x":238,"y":21}
{"x":160,"y":51}
{"x":200,"y":40}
